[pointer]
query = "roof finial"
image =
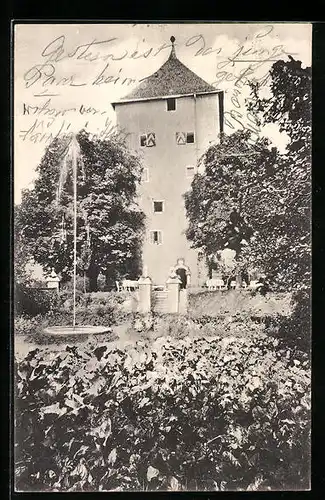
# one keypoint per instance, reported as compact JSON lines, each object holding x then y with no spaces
{"x":172,"y":53}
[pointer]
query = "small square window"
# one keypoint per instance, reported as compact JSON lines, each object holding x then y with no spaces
{"x":190,"y":137}
{"x":190,"y":171}
{"x":156,"y":237}
{"x":171,"y":104}
{"x":145,"y":175}
{"x":158,"y":206}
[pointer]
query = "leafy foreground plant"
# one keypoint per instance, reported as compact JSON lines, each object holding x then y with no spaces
{"x":175,"y":414}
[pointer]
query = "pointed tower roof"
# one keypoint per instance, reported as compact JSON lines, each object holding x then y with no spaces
{"x":173,"y":78}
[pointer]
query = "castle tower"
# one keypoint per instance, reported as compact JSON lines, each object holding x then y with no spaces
{"x":171,"y":117}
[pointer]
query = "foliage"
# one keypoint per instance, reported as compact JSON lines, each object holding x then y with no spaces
{"x":37,"y":309}
{"x":83,"y":284}
{"x":288,"y":254}
{"x":294,"y":331}
{"x":254,"y":200}
{"x":108,"y":218}
{"x":22,"y":276}
{"x":226,"y":207}
{"x":289,"y":104}
{"x":238,"y":325}
{"x":194,"y":414}
{"x":218,"y":203}
{"x":35,"y":301}
{"x":114,"y":299}
{"x":81,"y":281}
{"x":243,"y":302}
{"x":90,"y":315}
{"x":24,"y":325}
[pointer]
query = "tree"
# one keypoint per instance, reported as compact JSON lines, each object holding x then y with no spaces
{"x":289,"y":106}
{"x":109,"y":222}
{"x":255,"y":200}
{"x":22,"y":257}
{"x":223,"y":199}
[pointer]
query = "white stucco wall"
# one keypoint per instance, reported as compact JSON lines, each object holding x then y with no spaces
{"x":167,"y":163}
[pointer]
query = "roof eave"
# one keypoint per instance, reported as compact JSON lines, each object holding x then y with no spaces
{"x":170,"y":96}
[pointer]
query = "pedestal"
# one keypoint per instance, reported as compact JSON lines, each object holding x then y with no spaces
{"x":173,"y":287}
{"x":145,"y":286}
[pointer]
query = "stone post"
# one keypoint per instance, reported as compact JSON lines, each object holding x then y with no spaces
{"x":145,"y":286}
{"x":53,"y":281}
{"x":173,"y":286}
{"x":239,"y":281}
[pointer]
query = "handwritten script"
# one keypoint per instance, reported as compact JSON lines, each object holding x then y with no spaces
{"x":45,"y":72}
{"x":248,"y":63}
{"x":108,"y":62}
{"x":51,"y":123}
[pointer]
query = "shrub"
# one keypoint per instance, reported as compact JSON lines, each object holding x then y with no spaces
{"x":35,"y":301}
{"x":87,"y":299}
{"x":50,"y":308}
{"x":26,"y":326}
{"x":101,"y":282}
{"x":294,"y":331}
{"x":66,"y":298}
{"x":81,"y":282}
{"x":194,"y":414}
{"x":177,"y":326}
{"x":216,"y":303}
{"x":91,"y":309}
{"x":85,"y":315}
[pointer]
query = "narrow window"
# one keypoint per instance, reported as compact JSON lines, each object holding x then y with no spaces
{"x":158,"y":206}
{"x":143,"y":140}
{"x":145,"y":175}
{"x":156,"y":237}
{"x":190,"y":137}
{"x":190,"y":171}
{"x":171,"y":104}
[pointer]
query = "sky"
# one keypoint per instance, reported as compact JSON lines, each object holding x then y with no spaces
{"x":67,"y":75}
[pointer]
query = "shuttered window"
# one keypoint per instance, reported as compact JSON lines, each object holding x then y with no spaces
{"x":148,"y":140}
{"x":156,"y":237}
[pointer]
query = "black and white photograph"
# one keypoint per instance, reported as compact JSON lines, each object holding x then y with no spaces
{"x":162,"y":256}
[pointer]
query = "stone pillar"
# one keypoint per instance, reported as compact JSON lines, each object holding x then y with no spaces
{"x":145,"y":286}
{"x":173,"y":286}
{"x":53,"y":281}
{"x":239,"y":280}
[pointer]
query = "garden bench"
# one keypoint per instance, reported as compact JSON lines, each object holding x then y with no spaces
{"x":215,"y":284}
{"x":129,"y":285}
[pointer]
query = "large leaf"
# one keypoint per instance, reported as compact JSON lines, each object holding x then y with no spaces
{"x":152,"y":473}
{"x":112,"y":457}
